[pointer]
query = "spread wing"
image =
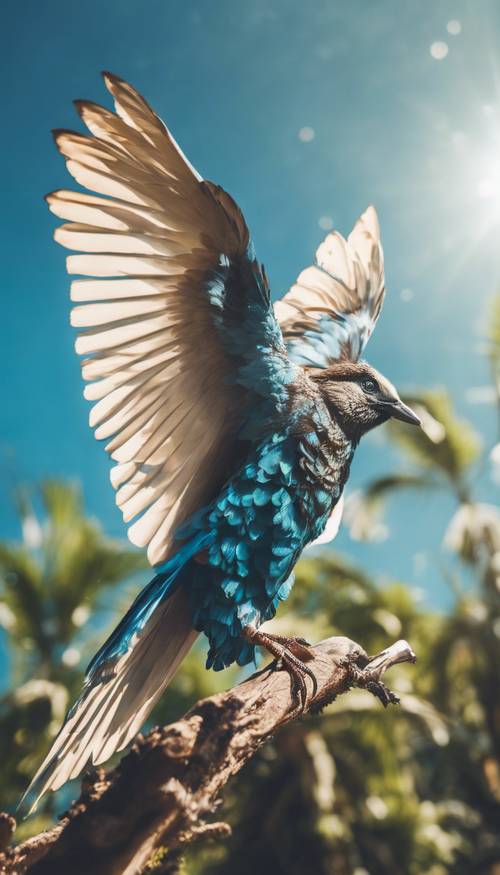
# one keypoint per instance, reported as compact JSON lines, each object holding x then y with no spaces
{"x":175,"y":322}
{"x":331,"y":310}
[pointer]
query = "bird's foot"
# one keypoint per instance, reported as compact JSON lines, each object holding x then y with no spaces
{"x":293,"y":653}
{"x":298,"y":646}
{"x":368,"y":670}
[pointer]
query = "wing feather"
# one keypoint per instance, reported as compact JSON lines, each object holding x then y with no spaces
{"x":331,"y":310}
{"x":164,"y":383}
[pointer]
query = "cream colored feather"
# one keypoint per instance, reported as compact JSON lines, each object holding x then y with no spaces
{"x":348,"y":280}
{"x":110,"y":713}
{"x":146,"y":239}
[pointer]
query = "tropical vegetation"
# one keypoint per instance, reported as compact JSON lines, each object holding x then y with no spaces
{"x":357,"y":790}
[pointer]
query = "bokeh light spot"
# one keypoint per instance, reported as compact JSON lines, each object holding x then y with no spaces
{"x":488,"y":187}
{"x":71,"y":657}
{"x":439,"y":50}
{"x":325,"y":223}
{"x":306,"y":134}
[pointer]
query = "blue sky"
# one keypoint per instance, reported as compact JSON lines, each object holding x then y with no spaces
{"x":394,"y":123}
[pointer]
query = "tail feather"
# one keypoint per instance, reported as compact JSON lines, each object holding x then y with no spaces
{"x":123,"y":683}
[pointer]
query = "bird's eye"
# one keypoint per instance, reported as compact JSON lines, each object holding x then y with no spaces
{"x":369,"y":385}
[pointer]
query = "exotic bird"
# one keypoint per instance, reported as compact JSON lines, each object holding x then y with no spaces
{"x":232,"y":424}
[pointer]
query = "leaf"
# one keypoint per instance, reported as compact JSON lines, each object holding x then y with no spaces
{"x":363,"y":516}
{"x":386,"y":485}
{"x":455,"y":453}
{"x":364,"y":509}
{"x":473,"y":530}
{"x":47,"y":578}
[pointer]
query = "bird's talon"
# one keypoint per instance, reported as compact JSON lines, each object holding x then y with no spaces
{"x":299,"y":689}
{"x":298,"y":646}
{"x":291,"y":654}
{"x":383,"y":693}
{"x":297,"y":670}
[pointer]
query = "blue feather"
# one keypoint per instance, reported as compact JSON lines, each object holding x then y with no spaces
{"x":158,"y":589}
{"x":254,"y":549}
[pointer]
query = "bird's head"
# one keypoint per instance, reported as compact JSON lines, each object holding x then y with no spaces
{"x":359,"y":398}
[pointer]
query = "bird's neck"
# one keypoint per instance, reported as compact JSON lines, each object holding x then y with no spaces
{"x":338,"y":449}
{"x":327,"y":454}
{"x":351,"y":430}
{"x":326,"y":446}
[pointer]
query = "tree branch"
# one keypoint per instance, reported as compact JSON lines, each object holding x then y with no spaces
{"x":139,"y":817}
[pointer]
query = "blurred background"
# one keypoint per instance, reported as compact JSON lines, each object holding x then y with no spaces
{"x":305,"y":113}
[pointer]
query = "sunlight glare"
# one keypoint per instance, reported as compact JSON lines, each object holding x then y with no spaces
{"x":489,"y":187}
{"x":485,"y":183}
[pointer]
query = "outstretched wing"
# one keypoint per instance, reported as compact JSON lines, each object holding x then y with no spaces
{"x":331,"y":310}
{"x":174,"y":315}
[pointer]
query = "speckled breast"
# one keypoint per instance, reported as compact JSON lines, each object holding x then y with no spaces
{"x":262,"y":520}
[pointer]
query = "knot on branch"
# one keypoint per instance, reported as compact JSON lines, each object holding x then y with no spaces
{"x":7,"y":829}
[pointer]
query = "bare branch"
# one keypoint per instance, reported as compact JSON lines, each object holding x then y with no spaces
{"x":139,"y":817}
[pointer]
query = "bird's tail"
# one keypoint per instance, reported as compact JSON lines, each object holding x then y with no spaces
{"x":124,"y":680}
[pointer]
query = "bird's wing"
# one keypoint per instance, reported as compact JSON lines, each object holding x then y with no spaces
{"x":175,"y":321}
{"x":331,"y":310}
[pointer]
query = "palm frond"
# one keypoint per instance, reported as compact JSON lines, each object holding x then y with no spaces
{"x":364,"y":509}
{"x":454,"y":454}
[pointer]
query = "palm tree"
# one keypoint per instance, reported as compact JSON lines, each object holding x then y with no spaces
{"x":356,"y":789}
{"x":51,"y":583}
{"x":464,"y":665}
{"x":403,"y":791}
{"x":340,"y":793}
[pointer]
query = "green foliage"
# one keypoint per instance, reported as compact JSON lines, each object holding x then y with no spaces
{"x":357,"y":790}
{"x":361,"y":791}
{"x":50,"y":584}
{"x":51,"y":580}
{"x":450,"y":454}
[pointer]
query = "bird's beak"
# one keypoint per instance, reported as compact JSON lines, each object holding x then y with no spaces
{"x":404,"y":413}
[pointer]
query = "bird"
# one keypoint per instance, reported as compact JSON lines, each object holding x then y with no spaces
{"x":232,"y":423}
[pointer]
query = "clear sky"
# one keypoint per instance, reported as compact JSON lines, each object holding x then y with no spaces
{"x":305,"y":113}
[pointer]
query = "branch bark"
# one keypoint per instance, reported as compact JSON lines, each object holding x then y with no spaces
{"x":140,"y":816}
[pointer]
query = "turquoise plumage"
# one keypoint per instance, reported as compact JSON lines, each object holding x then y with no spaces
{"x":232,"y":423}
{"x":260,"y":523}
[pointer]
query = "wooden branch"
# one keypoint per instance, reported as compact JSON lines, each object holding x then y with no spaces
{"x":139,"y":817}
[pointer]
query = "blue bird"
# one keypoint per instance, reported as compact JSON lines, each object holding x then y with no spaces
{"x":232,"y":424}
